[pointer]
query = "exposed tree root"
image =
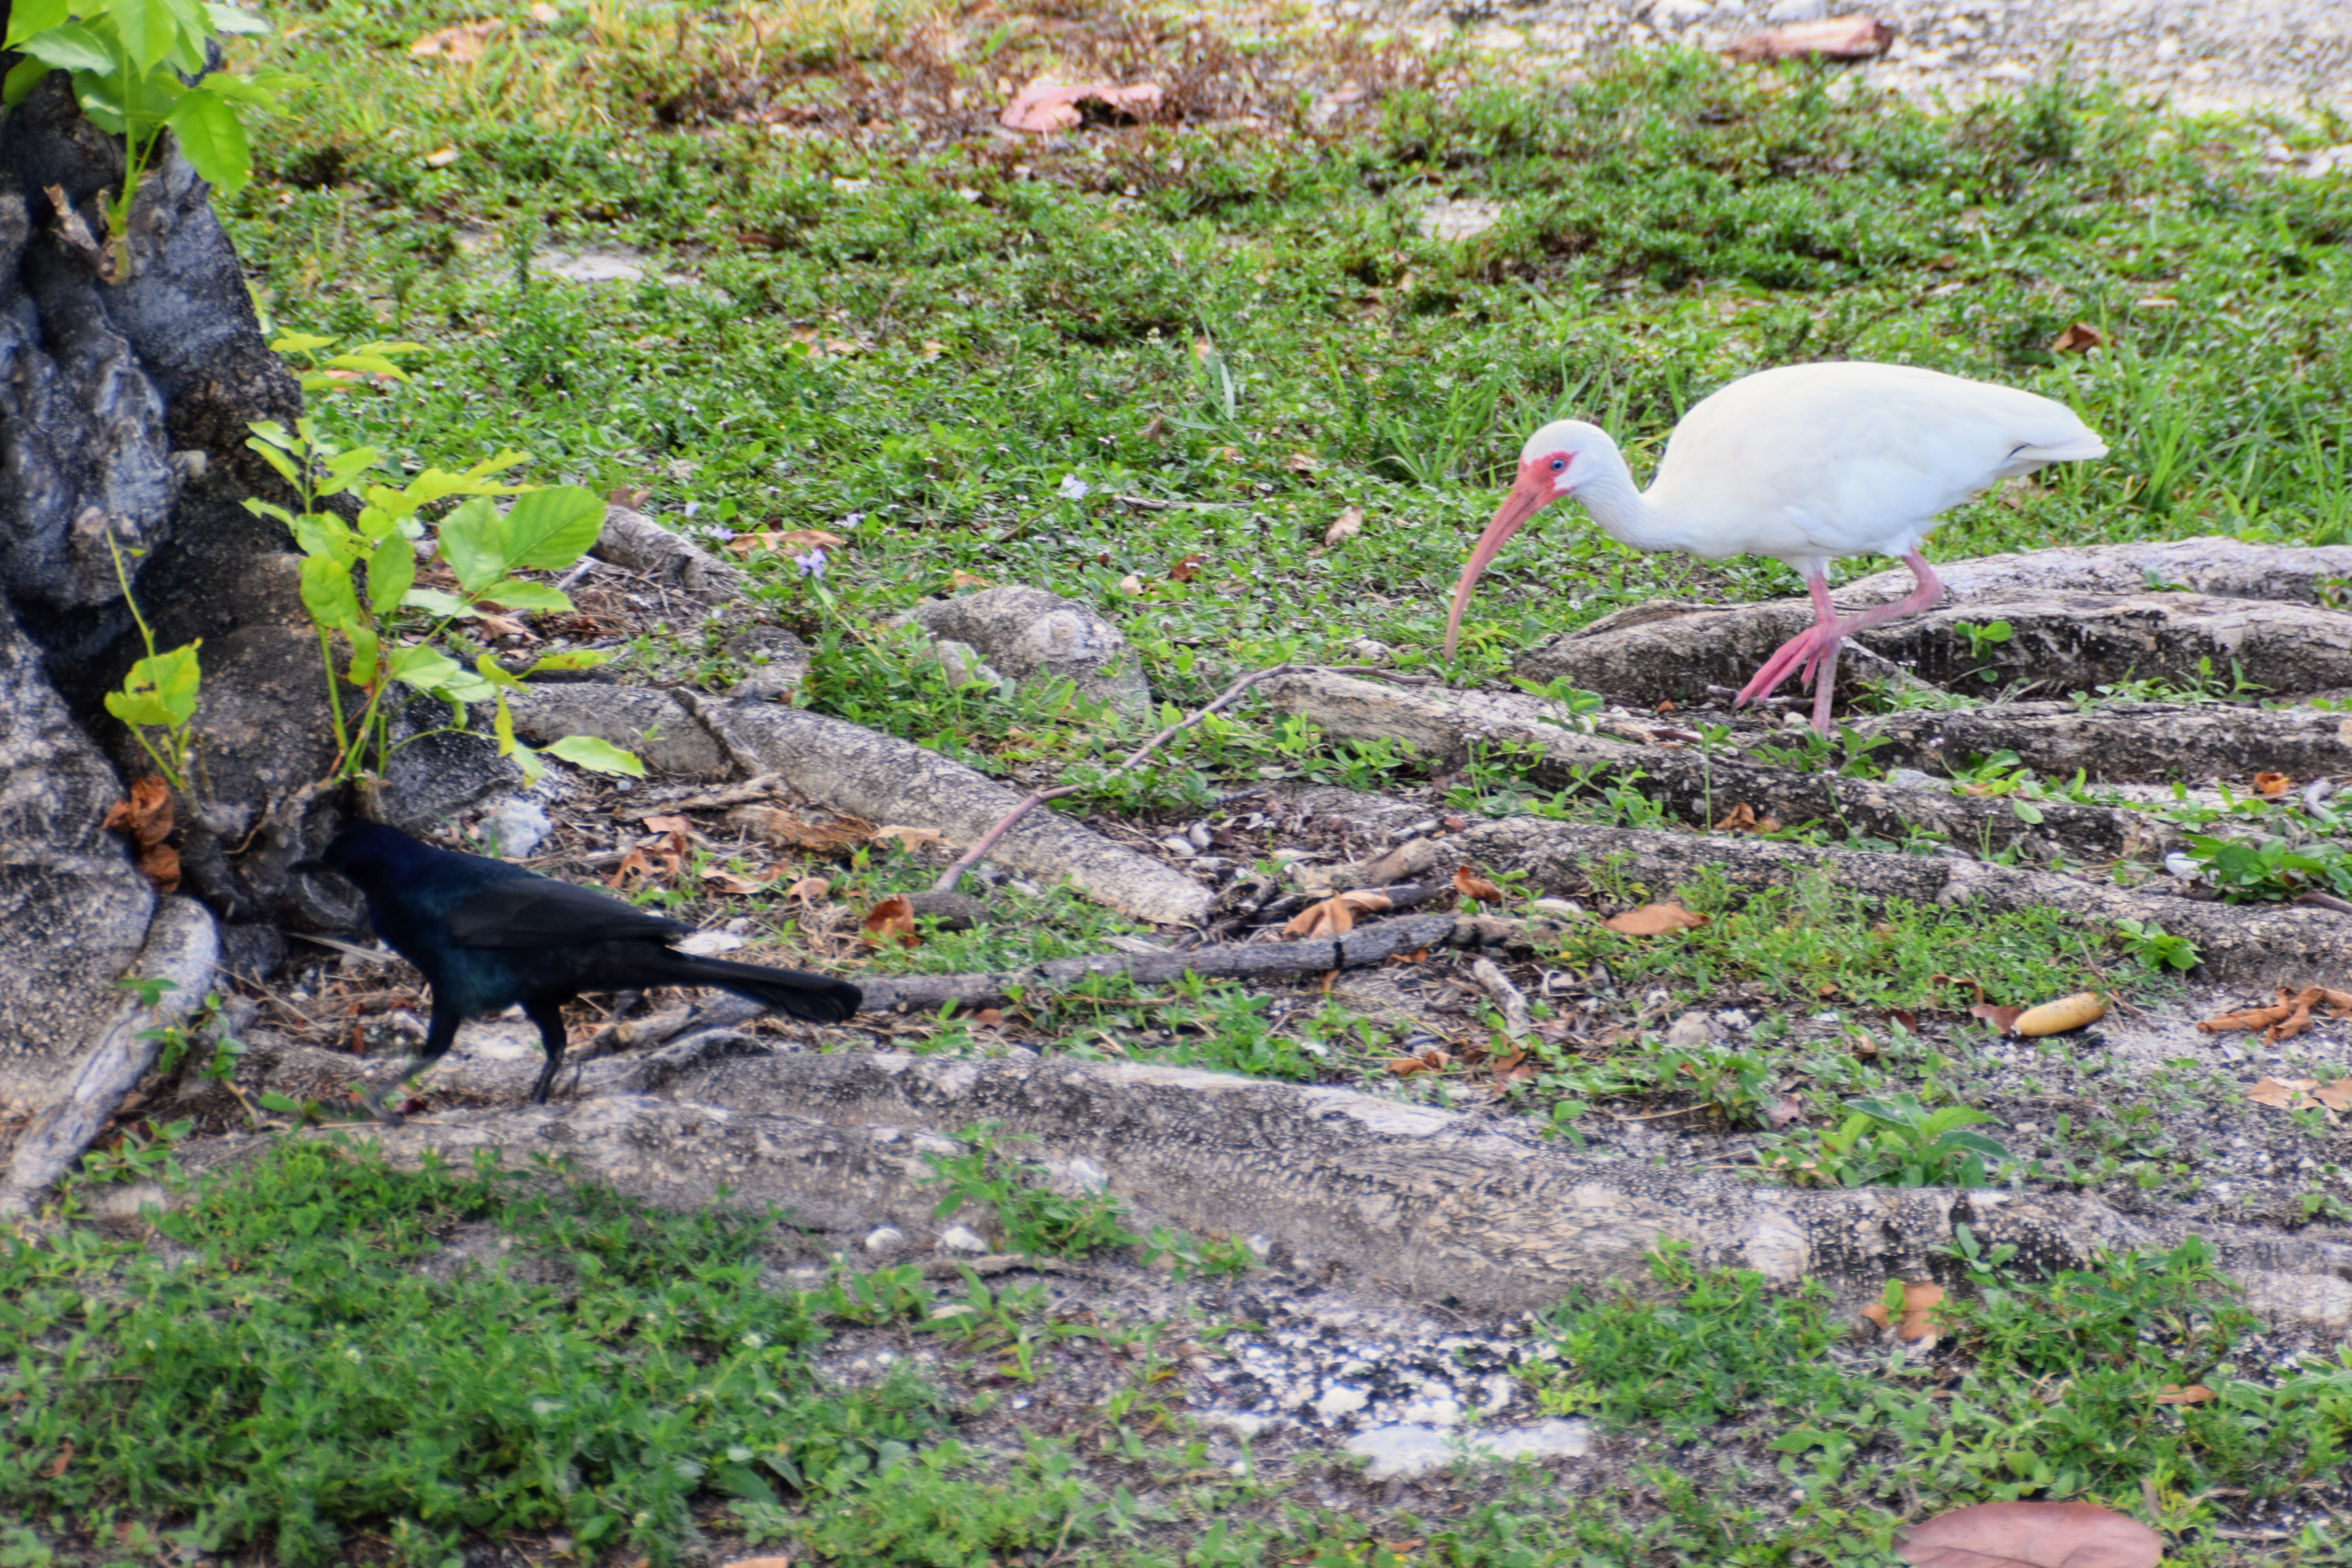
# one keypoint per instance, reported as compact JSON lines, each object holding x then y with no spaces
{"x":2253,"y":944}
{"x":633,"y":539}
{"x":182,"y":948}
{"x":1339,"y":1185}
{"x":1702,"y":788}
{"x":2152,"y":743}
{"x":2057,"y":643}
{"x":2212,"y":564}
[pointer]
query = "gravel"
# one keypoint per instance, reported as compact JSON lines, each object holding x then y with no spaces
{"x":2199,"y":55}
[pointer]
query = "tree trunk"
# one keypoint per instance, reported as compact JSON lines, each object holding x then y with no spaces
{"x":124,"y":410}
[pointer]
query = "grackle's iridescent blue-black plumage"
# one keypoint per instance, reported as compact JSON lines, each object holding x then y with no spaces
{"x":489,"y":935}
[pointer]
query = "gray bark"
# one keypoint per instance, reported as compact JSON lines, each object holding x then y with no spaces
{"x":1342,"y":1186}
{"x":2210,"y":564}
{"x":885,"y":780}
{"x":1698,"y":787}
{"x":123,"y":417}
{"x":1030,"y":634}
{"x":2251,"y":945}
{"x":2122,"y":742}
{"x":633,"y":539}
{"x":2058,"y":643}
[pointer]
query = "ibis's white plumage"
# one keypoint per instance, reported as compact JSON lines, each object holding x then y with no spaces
{"x":1811,"y":462}
{"x":1803,"y":463}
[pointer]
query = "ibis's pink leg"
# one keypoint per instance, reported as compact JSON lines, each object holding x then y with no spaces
{"x":1813,"y":652}
{"x":1801,"y":648}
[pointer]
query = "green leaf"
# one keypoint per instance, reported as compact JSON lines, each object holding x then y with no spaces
{"x":469,"y":542}
{"x":365,"y":647}
{"x":517,"y":593}
{"x":270,"y":1100}
{"x":491,"y":670}
{"x":391,"y":572}
{"x":2026,"y":811}
{"x":741,"y":1481}
{"x":550,"y":529}
{"x":526,"y":758}
{"x":327,"y":590}
{"x":298,"y":342}
{"x":27,"y":17}
{"x":431,"y":671}
{"x":147,"y":30}
{"x":598,"y":756}
{"x":1975,"y":1143}
{"x":276,"y":460}
{"x":373,"y":365}
{"x":346,"y":467}
{"x":213,"y":138}
{"x":434,"y":602}
{"x":71,"y":46}
{"x":229,"y":20}
{"x":22,"y":78}
{"x":576,"y":659}
{"x":324,"y":535}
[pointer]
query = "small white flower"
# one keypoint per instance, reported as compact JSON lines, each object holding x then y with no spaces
{"x":2182,"y":867}
{"x":1073,"y":488}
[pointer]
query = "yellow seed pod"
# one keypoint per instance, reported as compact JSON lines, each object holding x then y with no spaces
{"x":2067,"y":1012}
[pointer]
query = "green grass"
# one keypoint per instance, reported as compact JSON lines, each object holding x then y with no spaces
{"x":1025,"y":316}
{"x":311,"y":1378}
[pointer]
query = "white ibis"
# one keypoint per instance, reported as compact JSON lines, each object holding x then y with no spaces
{"x":1804,"y":464}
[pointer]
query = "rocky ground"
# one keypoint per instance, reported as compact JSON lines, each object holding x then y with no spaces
{"x":2285,"y":55}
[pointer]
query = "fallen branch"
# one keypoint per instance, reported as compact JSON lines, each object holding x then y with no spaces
{"x":1517,"y":1022}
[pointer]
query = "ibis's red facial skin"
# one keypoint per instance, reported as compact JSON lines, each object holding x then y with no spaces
{"x":1539,"y":484}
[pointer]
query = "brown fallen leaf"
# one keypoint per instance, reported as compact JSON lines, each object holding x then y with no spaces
{"x":892,"y":920}
{"x":808,"y":890}
{"x":1347,"y":525}
{"x":56,"y":1467}
{"x":729,"y":882}
{"x":2000,"y":1018}
{"x":1131,"y":585}
{"x":2335,"y":1094}
{"x":768,"y":1561}
{"x":668,"y":825}
{"x":1654,"y":920}
{"x":1045,"y":105}
{"x":1405,"y":1066}
{"x":1184,"y":571}
{"x":800,"y":541}
{"x":911,"y":837}
{"x":989,"y":1017}
{"x":959,"y":579}
{"x":2289,"y":1018}
{"x":1301,"y":463}
{"x":461,"y":45}
{"x":2174,"y":1393}
{"x":2286,"y":1094}
{"x":630,"y":496}
{"x":1742,"y":818}
{"x":2076,"y":340}
{"x":2273,"y":784}
{"x":1471,"y":885}
{"x":1787,"y":1109}
{"x":145,"y":819}
{"x":1335,"y":916}
{"x":2030,"y":1535}
{"x":1845,"y":39}
{"x":1917,"y":1322}
{"x":441,"y":157}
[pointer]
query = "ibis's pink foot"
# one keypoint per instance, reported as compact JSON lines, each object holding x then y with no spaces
{"x":1805,"y":649}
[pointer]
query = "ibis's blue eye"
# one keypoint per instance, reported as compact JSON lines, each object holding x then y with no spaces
{"x":1558,"y":464}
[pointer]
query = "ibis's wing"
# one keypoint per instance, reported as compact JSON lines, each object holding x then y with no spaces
{"x":538,"y":911}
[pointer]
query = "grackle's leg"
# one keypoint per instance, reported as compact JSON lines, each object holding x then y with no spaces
{"x":548,"y":1014}
{"x":439,"y":1035}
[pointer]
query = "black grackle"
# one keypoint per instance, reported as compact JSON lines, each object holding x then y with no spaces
{"x":489,"y":935}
